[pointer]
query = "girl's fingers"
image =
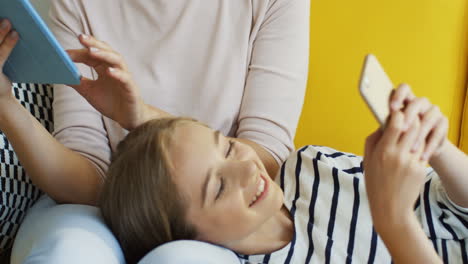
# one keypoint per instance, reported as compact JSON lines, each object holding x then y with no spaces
{"x":371,"y":142}
{"x":414,"y":109}
{"x":429,"y":121}
{"x":393,"y":129}
{"x":400,"y":97}
{"x":4,"y":29}
{"x":7,"y":46}
{"x":410,"y":136}
{"x":436,"y":139}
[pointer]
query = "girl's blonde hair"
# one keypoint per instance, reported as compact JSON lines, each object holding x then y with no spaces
{"x":139,"y":200}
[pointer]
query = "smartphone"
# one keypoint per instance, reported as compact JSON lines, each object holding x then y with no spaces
{"x":376,"y":88}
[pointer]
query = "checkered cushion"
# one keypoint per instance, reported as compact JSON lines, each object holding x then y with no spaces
{"x":17,"y":193}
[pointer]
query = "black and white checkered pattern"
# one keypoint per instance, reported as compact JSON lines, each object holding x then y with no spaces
{"x":17,"y":192}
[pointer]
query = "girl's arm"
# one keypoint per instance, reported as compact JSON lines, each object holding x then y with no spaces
{"x":394,"y":176}
{"x":451,"y":164}
{"x":448,"y":161}
{"x":395,"y":170}
{"x":406,"y":241}
{"x":64,"y":175}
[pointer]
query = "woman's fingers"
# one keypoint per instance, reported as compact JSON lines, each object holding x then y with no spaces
{"x":102,"y":50}
{"x":121,"y":76}
{"x":400,"y":97}
{"x":110,"y":57}
{"x":83,"y":56}
{"x":95,"y":58}
{"x":90,"y":41}
{"x":84,"y":87}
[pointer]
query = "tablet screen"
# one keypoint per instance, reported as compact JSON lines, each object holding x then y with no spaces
{"x":37,"y":57}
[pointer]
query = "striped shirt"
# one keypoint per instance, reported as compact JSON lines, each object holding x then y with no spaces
{"x":325,"y":193}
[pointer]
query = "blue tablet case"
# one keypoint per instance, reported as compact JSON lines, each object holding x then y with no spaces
{"x":37,"y":57}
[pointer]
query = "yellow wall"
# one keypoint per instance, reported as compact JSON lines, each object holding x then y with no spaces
{"x":421,"y":42}
{"x":464,"y":129}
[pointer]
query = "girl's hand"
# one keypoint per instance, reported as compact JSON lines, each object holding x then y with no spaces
{"x":8,"y":40}
{"x":434,"y":125}
{"x":113,"y":93}
{"x":394,"y":173}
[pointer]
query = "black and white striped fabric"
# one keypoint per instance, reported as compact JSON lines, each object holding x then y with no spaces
{"x":18,"y":193}
{"x":325,"y":193}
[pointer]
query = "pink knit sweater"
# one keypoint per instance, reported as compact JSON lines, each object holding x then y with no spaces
{"x":238,"y":65}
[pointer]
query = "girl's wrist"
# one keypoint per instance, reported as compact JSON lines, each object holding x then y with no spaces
{"x":6,"y":100}
{"x":7,"y":106}
{"x":437,"y":157}
{"x":8,"y":97}
{"x":391,"y":224}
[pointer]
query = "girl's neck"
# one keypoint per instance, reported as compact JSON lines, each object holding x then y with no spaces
{"x":273,"y":235}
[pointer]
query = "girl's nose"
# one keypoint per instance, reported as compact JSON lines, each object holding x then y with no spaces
{"x":247,"y":172}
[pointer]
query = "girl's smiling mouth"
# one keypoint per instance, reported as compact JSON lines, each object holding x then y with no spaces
{"x":261,"y":191}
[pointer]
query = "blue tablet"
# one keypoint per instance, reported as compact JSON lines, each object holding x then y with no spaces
{"x":37,"y":57}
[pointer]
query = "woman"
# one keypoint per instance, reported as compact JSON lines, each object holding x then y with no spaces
{"x":191,"y":182}
{"x":235,"y":65}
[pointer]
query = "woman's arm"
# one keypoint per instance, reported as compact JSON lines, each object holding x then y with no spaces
{"x":77,"y":125}
{"x":130,"y":111}
{"x":61,"y":173}
{"x":276,"y":80}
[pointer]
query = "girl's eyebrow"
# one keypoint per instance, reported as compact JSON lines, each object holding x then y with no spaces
{"x":216,"y":135}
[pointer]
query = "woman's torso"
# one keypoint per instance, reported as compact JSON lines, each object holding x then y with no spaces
{"x":189,"y":58}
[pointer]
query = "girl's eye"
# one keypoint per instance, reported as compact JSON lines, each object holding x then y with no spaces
{"x":231,"y":144}
{"x":221,"y":188}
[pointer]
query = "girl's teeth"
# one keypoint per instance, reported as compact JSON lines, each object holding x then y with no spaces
{"x":260,"y":190}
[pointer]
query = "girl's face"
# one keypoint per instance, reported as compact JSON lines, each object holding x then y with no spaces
{"x":230,"y":194}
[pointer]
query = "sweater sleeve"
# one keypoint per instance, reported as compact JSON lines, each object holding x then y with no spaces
{"x":77,"y":124}
{"x":277,"y":75}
